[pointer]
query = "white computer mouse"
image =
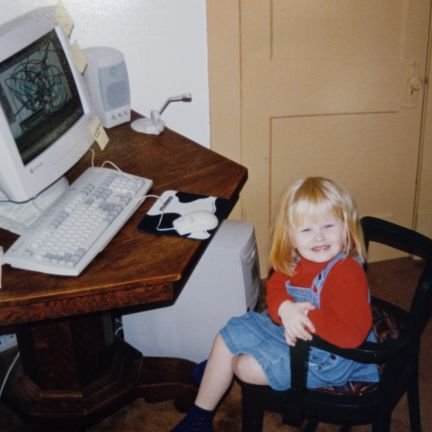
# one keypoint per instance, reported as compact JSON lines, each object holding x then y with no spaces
{"x":196,"y":224}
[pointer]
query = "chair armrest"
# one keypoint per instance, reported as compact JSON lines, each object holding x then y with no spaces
{"x":367,"y":352}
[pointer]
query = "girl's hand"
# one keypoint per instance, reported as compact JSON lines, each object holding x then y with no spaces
{"x":295,"y":321}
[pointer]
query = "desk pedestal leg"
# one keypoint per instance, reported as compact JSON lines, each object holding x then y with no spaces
{"x":167,"y":378}
{"x":73,"y":372}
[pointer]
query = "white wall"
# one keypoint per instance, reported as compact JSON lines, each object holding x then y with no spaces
{"x":165,"y":46}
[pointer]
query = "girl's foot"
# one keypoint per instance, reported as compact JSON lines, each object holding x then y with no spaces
{"x":196,"y":420}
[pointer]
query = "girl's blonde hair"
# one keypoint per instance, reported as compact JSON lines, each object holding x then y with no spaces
{"x":309,"y":197}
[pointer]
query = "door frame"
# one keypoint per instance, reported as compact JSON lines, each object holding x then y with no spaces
{"x":224,"y":68}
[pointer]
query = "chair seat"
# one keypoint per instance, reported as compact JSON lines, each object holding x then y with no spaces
{"x":386,"y":325}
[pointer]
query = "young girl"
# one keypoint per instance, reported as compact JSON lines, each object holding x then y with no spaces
{"x":318,"y":286}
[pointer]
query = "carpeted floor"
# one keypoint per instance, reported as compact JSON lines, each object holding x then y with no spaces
{"x":390,"y":279}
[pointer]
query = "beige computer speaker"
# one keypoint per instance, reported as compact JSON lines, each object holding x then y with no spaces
{"x":108,"y":84}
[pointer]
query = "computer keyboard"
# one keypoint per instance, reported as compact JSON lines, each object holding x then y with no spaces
{"x":17,"y":218}
{"x":79,"y":224}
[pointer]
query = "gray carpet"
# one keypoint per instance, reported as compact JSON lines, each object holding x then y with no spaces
{"x":390,"y":279}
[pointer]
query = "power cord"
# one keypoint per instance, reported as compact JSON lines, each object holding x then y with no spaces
{"x":117,"y":168}
{"x":8,"y":372}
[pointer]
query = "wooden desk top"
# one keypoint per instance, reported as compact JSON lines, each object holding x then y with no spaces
{"x":135,"y":268}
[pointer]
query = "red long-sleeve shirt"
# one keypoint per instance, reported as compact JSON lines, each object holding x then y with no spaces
{"x":344,"y":317}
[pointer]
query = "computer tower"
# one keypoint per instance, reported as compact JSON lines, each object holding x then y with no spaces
{"x":225,"y":283}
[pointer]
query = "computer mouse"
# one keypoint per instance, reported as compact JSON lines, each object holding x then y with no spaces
{"x":196,"y":224}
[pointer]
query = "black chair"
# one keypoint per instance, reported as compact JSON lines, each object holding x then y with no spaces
{"x":397,"y":352}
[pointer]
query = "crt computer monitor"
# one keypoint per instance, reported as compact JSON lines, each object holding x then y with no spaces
{"x":45,"y":110}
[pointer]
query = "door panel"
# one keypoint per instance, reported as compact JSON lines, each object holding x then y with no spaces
{"x":337,"y":29}
{"x":350,"y":149}
{"x":325,"y":87}
{"x":336,"y":56}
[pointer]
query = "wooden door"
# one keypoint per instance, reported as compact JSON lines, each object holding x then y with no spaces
{"x":325,"y":87}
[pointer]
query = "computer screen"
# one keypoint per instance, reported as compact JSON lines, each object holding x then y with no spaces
{"x":45,"y":110}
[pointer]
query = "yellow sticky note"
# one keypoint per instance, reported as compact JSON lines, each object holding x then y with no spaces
{"x":98,"y":133}
{"x":63,"y":18}
{"x":79,"y":57}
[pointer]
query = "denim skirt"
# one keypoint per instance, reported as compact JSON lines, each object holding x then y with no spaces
{"x":256,"y":334}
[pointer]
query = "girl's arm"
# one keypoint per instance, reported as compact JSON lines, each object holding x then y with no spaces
{"x":295,"y":320}
{"x":344,"y":317}
{"x":283,"y":310}
{"x":276,"y":294}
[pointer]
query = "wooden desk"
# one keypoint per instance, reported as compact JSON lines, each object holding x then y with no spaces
{"x":73,"y":370}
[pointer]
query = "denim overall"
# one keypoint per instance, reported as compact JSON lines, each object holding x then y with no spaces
{"x":326,"y":368}
{"x":257,"y":335}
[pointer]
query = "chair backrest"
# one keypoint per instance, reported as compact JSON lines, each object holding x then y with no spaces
{"x":413,"y":243}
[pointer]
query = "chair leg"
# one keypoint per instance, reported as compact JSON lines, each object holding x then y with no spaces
{"x":382,"y":424}
{"x":253,"y":411}
{"x":310,"y":426}
{"x":414,"y":402}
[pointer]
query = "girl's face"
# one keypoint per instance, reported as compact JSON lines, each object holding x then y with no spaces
{"x":319,"y":238}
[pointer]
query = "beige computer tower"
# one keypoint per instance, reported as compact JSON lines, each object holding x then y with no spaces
{"x":225,"y":283}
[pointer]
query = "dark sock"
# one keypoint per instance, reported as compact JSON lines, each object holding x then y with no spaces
{"x":198,"y":372}
{"x":196,"y":420}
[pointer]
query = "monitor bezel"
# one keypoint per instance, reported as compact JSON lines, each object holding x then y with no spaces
{"x":21,"y":182}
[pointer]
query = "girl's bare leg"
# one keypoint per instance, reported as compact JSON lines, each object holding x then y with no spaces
{"x":217,"y":377}
{"x":247,"y":369}
{"x":219,"y":373}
